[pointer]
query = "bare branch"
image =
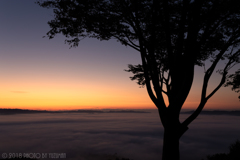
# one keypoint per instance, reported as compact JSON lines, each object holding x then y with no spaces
{"x":147,"y":80}
{"x":219,"y":85}
{"x":207,"y":76}
{"x":137,"y":46}
{"x":125,"y":42}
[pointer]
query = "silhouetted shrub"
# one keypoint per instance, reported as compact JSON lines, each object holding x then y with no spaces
{"x":234,"y":153}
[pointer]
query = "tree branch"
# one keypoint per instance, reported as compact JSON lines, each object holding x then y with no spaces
{"x":207,"y":76}
{"x":147,"y":80}
{"x":125,"y":42}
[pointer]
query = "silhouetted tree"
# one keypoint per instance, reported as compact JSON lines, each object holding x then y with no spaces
{"x":172,"y":36}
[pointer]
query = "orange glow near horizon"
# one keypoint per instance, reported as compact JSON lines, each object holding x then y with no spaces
{"x":64,"y":96}
{"x":88,"y":96}
{"x":69,"y":94}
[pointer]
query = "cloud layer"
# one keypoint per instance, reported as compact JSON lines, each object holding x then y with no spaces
{"x":101,"y":135}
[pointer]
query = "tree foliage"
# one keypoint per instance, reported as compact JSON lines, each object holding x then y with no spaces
{"x":172,"y":37}
{"x":234,"y":81}
{"x":234,"y":153}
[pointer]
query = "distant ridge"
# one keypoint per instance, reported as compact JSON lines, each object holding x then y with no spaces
{"x":26,"y":111}
{"x":4,"y":111}
{"x":217,"y":112}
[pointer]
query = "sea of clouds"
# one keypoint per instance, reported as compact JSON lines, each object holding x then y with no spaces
{"x":102,"y":136}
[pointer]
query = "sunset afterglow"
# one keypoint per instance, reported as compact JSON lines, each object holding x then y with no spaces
{"x":37,"y":73}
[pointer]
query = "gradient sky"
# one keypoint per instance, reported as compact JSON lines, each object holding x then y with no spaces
{"x":38,"y":73}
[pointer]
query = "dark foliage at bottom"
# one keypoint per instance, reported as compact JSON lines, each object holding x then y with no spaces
{"x":234,"y":153}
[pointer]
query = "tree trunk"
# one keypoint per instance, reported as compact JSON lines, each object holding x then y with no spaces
{"x":171,"y":144}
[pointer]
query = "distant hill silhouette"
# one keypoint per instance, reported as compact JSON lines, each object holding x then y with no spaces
{"x":20,"y":111}
{"x":4,"y":111}
{"x":217,"y":112}
{"x":26,"y":111}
